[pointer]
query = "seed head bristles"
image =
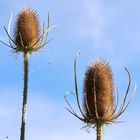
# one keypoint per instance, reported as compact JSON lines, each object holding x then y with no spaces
{"x":27,"y":33}
{"x":99,"y":104}
{"x":99,"y":88}
{"x":27,"y":28}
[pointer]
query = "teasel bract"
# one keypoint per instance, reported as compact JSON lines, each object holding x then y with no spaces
{"x":100,"y":107}
{"x":27,"y":39}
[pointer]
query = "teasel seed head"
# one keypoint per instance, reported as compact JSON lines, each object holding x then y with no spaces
{"x":99,"y":104}
{"x":28,"y":37}
{"x":27,"y":28}
{"x":98,"y":91}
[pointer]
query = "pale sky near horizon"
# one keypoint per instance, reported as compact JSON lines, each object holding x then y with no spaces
{"x":98,"y":28}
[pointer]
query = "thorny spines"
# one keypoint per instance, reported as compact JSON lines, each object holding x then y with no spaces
{"x":27,"y":28}
{"x":37,"y":42}
{"x":115,"y":113}
{"x":98,"y":88}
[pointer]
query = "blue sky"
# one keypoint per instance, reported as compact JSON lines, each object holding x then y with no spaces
{"x":98,"y":28}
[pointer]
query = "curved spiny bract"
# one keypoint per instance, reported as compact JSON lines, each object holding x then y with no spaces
{"x":27,"y":29}
{"x":27,"y":37}
{"x":98,"y":100}
{"x":99,"y":105}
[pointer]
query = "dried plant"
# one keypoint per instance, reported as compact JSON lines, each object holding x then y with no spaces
{"x":99,"y":105}
{"x":99,"y":88}
{"x":27,"y":29}
{"x":27,"y":39}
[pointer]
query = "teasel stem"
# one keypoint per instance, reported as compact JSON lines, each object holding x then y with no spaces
{"x":25,"y":93}
{"x":99,"y":130}
{"x":27,"y":39}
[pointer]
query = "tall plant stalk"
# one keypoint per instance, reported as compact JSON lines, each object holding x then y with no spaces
{"x":99,"y":131}
{"x":25,"y":95}
{"x":27,"y":40}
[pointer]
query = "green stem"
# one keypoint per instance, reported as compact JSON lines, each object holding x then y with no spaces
{"x":25,"y":91}
{"x":99,"y":131}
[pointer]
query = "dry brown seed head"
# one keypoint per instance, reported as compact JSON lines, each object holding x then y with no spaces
{"x":27,"y":28}
{"x":99,"y":81}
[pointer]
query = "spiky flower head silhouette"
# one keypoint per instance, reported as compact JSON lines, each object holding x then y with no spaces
{"x":99,"y":88}
{"x":27,"y":33}
{"x":99,"y":104}
{"x":27,"y":28}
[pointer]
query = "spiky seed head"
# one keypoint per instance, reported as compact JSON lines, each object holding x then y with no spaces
{"x":27,"y":28}
{"x":99,"y":82}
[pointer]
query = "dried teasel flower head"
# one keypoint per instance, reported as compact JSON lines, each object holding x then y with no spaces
{"x":27,"y":34}
{"x":27,"y":28}
{"x":100,"y":105}
{"x":99,"y":89}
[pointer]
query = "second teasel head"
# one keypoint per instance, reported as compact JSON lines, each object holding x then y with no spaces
{"x":98,"y":100}
{"x":27,"y":28}
{"x":100,"y":104}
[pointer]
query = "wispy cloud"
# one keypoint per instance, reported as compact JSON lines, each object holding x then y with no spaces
{"x":110,"y":31}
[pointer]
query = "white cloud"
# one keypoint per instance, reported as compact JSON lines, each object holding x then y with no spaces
{"x":110,"y":30}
